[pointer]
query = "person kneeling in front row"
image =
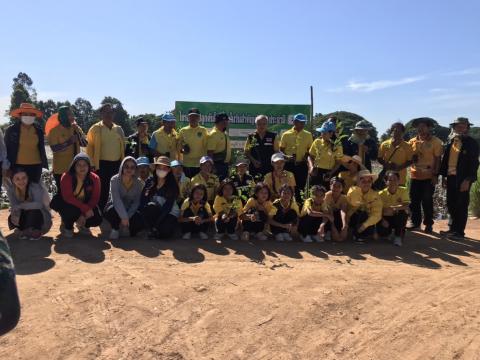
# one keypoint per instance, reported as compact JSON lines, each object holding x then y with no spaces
{"x":228,"y":208}
{"x":196,"y":213}
{"x":284,"y":215}
{"x":314,"y":216}
{"x":255,"y":213}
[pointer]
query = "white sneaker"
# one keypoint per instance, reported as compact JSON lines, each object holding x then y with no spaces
{"x":67,"y":233}
{"x":114,"y":234}
{"x":397,"y":241}
{"x":279,"y":237}
{"x":306,"y":239}
{"x":187,"y":236}
{"x":318,"y":238}
{"x":327,"y":237}
{"x":262,"y":236}
{"x":287,"y":237}
{"x":245,"y":236}
{"x":233,"y":236}
{"x":203,"y":235}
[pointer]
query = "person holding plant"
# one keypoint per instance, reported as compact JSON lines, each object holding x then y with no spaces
{"x":283,"y":217}
{"x":207,"y":178}
{"x":255,"y":213}
{"x":314,"y":216}
{"x":228,"y":208}
{"x":195,"y":213}
{"x":242,"y":180}
{"x":336,"y":201}
{"x":279,"y":176}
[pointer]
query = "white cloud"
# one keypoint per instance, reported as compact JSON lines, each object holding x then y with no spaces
{"x":439,"y":90}
{"x":470,"y":71}
{"x":382,"y":84}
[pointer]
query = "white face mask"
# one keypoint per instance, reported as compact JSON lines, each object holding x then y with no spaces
{"x":28,"y":120}
{"x":161,"y":173}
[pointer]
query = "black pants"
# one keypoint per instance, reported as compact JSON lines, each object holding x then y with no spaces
{"x":136,"y":222}
{"x":337,"y":221}
{"x":300,"y":171}
{"x":226,"y":227}
{"x":70,"y":213}
{"x":221,"y":169}
{"x":397,"y":224}
{"x":162,"y":228}
{"x":190,"y":172}
{"x":107,"y":169}
{"x":29,"y":219}
{"x":421,"y":196}
{"x":34,"y":172}
{"x":356,"y":220}
{"x":289,"y":217}
{"x":57,"y":178}
{"x":320,"y":178}
{"x":308,"y":225}
{"x":263,"y":170}
{"x":457,"y":204}
{"x":191,"y":227}
{"x":257,"y":226}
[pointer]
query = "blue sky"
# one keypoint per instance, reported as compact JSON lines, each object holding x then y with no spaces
{"x":385,"y":60}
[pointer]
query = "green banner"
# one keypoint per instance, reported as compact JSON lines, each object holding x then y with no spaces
{"x":242,"y":116}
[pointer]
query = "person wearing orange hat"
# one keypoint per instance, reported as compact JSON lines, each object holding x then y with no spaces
{"x":25,"y":142}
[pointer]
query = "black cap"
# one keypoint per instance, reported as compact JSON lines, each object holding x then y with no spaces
{"x":107,"y":107}
{"x":140,"y":120}
{"x":423,"y":120}
{"x":194,"y":111}
{"x":221,"y":117}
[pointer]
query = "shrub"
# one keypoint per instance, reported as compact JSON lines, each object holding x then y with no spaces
{"x":475,"y":197}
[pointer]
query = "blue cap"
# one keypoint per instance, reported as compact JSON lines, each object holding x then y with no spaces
{"x":299,"y":117}
{"x":327,"y":127}
{"x":168,"y":117}
{"x":174,"y":163}
{"x":143,"y":160}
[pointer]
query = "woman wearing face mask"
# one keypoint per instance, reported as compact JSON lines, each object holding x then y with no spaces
{"x":25,"y":142}
{"x":158,"y":202}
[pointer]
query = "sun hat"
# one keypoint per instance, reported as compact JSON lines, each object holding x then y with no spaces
{"x":367,"y":173}
{"x":161,"y":160}
{"x":461,"y":120}
{"x":279,"y":156}
{"x":26,"y":108}
{"x":143,"y":161}
{"x":168,"y":117}
{"x":423,"y":120}
{"x":299,"y":117}
{"x":362,"y":125}
{"x":175,"y":163}
{"x":205,"y":159}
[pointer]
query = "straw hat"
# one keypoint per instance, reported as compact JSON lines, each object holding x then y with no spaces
{"x":26,"y":108}
{"x":161,"y":160}
{"x":366,"y":173}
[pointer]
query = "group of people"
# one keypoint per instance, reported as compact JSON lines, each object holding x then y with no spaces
{"x":285,"y":186}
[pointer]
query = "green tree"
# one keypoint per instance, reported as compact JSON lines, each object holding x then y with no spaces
{"x":22,"y":91}
{"x":347,"y":119}
{"x":84,"y":113}
{"x":121,"y":116}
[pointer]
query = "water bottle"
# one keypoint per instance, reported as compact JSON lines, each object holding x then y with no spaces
{"x":9,"y":303}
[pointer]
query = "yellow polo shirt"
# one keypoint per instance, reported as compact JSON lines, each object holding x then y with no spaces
{"x":333,"y":205}
{"x":293,"y":206}
{"x":219,"y":142}
{"x":61,"y":159}
{"x":298,"y":143}
{"x":222,"y":205}
{"x":196,"y":138}
{"x":28,"y":153}
{"x":403,"y":154}
{"x":310,"y":205}
{"x":400,"y":197}
{"x":453,"y":156}
{"x":369,"y":202}
{"x":427,"y":151}
{"x":164,"y":142}
{"x":111,"y":149}
{"x":212,"y":184}
{"x":187,"y":204}
{"x":350,"y":180}
{"x":287,"y":178}
{"x":325,"y":156}
{"x":253,"y":204}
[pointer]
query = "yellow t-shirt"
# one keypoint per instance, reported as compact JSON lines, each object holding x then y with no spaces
{"x":222,"y":205}
{"x":350,"y":180}
{"x":400,"y":197}
{"x":253,"y":204}
{"x":79,"y":192}
{"x":310,"y":205}
{"x":196,"y":139}
{"x":184,"y":186}
{"x":187,"y":204}
{"x":219,"y":142}
{"x":28,"y":153}
{"x":298,"y":143}
{"x":212,"y":184}
{"x":325,"y":156}
{"x":403,"y":154}
{"x":453,"y":156}
{"x":287,"y":178}
{"x":293,"y":206}
{"x":164,"y":143}
{"x":111,"y":149}
{"x":333,"y":205}
{"x":369,"y":202}
{"x":427,"y":151}
{"x":61,"y":159}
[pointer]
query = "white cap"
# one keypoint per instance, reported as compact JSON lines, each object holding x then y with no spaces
{"x":278,"y":157}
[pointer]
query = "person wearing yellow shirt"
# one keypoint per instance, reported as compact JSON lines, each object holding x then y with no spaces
{"x":295,"y":144}
{"x":324,"y":156}
{"x":183,"y":182}
{"x":396,"y":203}
{"x":337,"y":203}
{"x":427,"y":151}
{"x":364,"y":207}
{"x":195,"y":213}
{"x":192,"y":143}
{"x":352,"y":164}
{"x":164,"y":140}
{"x":279,"y":177}
{"x":65,"y":141}
{"x":25,"y":143}
{"x":218,"y":145}
{"x":283,"y":218}
{"x":459,"y":168}
{"x":255,"y":213}
{"x":314,"y":216}
{"x":395,"y":153}
{"x":228,"y":208}
{"x":106,"y":149}
{"x":207,"y":178}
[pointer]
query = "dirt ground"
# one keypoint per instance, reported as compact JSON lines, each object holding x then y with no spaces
{"x":140,"y":299}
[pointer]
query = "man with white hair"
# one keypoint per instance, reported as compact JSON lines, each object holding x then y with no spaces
{"x":260,"y":146}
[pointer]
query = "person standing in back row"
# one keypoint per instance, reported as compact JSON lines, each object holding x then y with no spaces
{"x":295,"y":144}
{"x":164,"y":140}
{"x":360,"y":143}
{"x":218,"y":146}
{"x":106,"y":149}
{"x":459,"y":171}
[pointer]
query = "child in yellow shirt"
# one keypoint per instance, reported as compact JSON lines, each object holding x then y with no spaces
{"x":228,"y":208}
{"x":255,"y":213}
{"x":195,"y":213}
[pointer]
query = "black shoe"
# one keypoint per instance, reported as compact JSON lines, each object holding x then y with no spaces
{"x":456,"y":237}
{"x":428,"y":229}
{"x":447,"y":232}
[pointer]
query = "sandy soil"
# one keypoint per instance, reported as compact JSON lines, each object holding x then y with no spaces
{"x":141,"y":299}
